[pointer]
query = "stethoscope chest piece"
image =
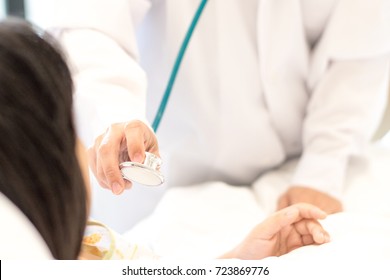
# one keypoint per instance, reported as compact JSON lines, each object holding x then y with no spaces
{"x":146,"y":173}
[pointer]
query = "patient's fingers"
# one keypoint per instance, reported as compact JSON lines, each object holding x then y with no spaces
{"x":307,"y":239}
{"x":313,"y":228}
{"x":287,"y":216}
{"x":305,"y":211}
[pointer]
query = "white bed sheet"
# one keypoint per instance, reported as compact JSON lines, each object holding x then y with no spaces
{"x":203,"y":221}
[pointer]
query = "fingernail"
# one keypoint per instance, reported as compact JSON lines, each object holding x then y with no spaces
{"x":322,"y":237}
{"x":128,"y":185}
{"x":116,"y":188}
{"x":323,"y":213}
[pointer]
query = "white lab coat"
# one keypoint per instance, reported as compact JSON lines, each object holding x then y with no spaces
{"x":262,"y":80}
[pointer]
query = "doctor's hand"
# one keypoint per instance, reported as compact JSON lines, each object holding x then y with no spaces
{"x":284,"y":231}
{"x":121,"y":142}
{"x":322,"y":200}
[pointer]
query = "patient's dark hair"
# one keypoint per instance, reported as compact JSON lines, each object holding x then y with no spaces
{"x":39,"y":170}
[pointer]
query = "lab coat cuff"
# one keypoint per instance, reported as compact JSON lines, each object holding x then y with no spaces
{"x":325,"y":173}
{"x":91,"y":121}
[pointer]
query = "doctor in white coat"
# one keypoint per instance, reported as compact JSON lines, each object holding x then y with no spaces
{"x":262,"y":81}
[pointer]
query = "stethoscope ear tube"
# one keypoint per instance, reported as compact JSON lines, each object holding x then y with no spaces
{"x":176,"y":66}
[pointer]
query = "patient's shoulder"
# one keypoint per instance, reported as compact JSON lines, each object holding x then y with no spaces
{"x":19,"y":239}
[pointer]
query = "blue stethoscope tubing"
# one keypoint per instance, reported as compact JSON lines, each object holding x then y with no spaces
{"x":176,"y":66}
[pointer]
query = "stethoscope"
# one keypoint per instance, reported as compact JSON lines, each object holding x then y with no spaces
{"x":148,"y":173}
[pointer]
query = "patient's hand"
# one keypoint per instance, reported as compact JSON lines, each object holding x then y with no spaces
{"x":284,"y":231}
{"x":322,"y":200}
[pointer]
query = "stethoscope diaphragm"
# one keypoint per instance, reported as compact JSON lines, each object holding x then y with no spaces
{"x":146,"y":173}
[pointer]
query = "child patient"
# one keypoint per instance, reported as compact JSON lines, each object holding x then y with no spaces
{"x":40,"y":172}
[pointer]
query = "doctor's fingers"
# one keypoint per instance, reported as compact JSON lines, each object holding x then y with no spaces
{"x":320,"y":199}
{"x":106,"y":151}
{"x":283,"y":201}
{"x":140,"y":138}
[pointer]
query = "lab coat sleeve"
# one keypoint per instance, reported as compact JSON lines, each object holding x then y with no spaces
{"x":99,"y":39}
{"x":348,"y":87}
{"x":345,"y":109}
{"x":110,"y":85}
